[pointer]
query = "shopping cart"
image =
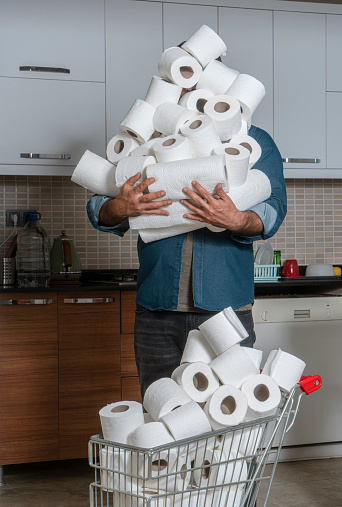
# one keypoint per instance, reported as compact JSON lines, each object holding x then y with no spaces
{"x":223,"y":468}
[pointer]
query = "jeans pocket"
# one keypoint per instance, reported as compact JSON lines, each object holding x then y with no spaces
{"x":140,"y":310}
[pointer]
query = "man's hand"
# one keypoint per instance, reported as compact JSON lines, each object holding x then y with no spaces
{"x":133,"y":201}
{"x":220,"y":211}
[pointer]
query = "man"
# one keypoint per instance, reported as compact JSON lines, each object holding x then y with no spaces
{"x":186,"y":279}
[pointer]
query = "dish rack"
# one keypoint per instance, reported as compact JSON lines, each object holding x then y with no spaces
{"x":266,"y":272}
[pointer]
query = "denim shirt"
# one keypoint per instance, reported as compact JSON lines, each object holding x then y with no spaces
{"x":223,"y":262}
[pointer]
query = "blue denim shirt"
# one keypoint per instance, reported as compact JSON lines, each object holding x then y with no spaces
{"x":223,"y":263}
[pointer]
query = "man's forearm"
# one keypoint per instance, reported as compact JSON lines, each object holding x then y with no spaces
{"x":108,"y":216}
{"x":248,"y":223}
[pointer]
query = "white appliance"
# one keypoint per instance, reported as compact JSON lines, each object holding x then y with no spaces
{"x":311,"y":329}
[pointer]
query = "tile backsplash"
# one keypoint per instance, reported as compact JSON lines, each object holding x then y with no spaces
{"x":311,"y":232}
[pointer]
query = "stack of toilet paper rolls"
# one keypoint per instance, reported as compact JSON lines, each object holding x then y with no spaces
{"x":219,"y":384}
{"x":201,"y":136}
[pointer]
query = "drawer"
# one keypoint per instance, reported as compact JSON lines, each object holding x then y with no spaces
{"x":127,"y":311}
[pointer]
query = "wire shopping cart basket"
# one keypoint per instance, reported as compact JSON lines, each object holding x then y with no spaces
{"x":223,"y":468}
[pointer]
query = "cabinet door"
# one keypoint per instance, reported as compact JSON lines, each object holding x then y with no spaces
{"x":248,"y":34}
{"x":299,"y":91}
{"x":53,"y":120}
{"x":334,"y":44}
{"x":89,"y":365}
{"x":133,"y":48}
{"x":59,"y":36}
{"x":28,"y":377}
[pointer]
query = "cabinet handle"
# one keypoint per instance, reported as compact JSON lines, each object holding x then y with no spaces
{"x":58,"y":156}
{"x":26,"y":302}
{"x":302,"y":160}
{"x":88,"y":300}
{"x":33,"y":68}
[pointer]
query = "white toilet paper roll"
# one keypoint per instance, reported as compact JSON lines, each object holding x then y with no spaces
{"x":139,"y":121}
{"x":197,"y":348}
{"x":226,"y":114}
{"x":252,"y":146}
{"x":170,"y":472}
{"x":263,"y":395}
{"x":255,"y":355}
{"x":174,"y":147}
{"x":174,"y":176}
{"x":161,"y":91}
{"x":163,"y":396}
{"x":144,"y":150}
{"x":245,"y":441}
{"x":177,"y":66}
{"x":115,"y":469}
{"x":174,"y":220}
{"x":244,"y":127}
{"x":237,"y":162}
{"x":249,"y":91}
{"x":214,"y":467}
{"x":186,"y":421}
{"x":120,"y":146}
{"x":223,"y":330}
{"x":226,"y":407}
{"x":197,"y":380}
{"x":150,"y":435}
{"x":119,"y":419}
{"x":196,"y":99}
{"x":169,"y":118}
{"x":286,"y":369}
{"x":205,"y":45}
{"x":227,"y":497}
{"x":217,"y":78}
{"x":130,"y":166}
{"x":257,"y":188}
{"x":201,"y":135}
{"x":95,"y":174}
{"x":234,"y":366}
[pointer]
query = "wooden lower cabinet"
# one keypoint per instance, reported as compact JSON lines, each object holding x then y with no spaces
{"x":130,"y":387}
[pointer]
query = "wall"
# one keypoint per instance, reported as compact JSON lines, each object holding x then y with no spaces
{"x":311,"y":231}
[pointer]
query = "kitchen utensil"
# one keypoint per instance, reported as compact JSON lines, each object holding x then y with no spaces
{"x":64,"y":260}
{"x":319,"y":269}
{"x":290,"y":268}
{"x":264,"y":254}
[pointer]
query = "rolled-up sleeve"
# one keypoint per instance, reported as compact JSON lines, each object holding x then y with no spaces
{"x":94,"y":205}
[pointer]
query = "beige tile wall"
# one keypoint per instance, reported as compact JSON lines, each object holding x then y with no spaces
{"x":312,"y":231}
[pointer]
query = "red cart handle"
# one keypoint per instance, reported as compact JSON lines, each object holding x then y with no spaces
{"x":310,"y":383}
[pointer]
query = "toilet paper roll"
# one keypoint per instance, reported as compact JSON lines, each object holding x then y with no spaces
{"x":197,"y":380}
{"x":244,"y":127}
{"x":252,"y":146}
{"x":226,"y":407}
{"x":284,"y":368}
{"x":130,"y":166}
{"x":201,"y":135}
{"x":197,"y":349}
{"x":227,"y":497}
{"x":234,"y":366}
{"x":148,"y":235}
{"x":173,"y":176}
{"x":257,"y":188}
{"x":96,"y":174}
{"x":213,"y":467}
{"x":161,"y":91}
{"x":217,"y":78}
{"x":170,"y":148}
{"x":120,"y":146}
{"x":163,"y":396}
{"x":196,"y":99}
{"x":205,"y":45}
{"x":175,"y":218}
{"x":119,"y":419}
{"x":263,"y":395}
{"x":186,"y":421}
{"x":245,"y":441}
{"x":150,"y":435}
{"x":177,"y":66}
{"x":255,"y":355}
{"x":144,"y":150}
{"x":139,"y":121}
{"x":169,"y":118}
{"x":170,"y":472}
{"x":226,"y":114}
{"x":249,"y":92}
{"x":223,"y":330}
{"x":237,"y":162}
{"x":115,"y":469}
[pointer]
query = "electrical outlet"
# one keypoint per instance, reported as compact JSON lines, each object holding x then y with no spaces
{"x":21,"y":218}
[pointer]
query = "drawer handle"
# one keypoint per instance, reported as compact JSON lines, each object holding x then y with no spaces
{"x":26,"y":302}
{"x":58,"y":156}
{"x":302,"y":160}
{"x":88,"y":300}
{"x":33,"y":68}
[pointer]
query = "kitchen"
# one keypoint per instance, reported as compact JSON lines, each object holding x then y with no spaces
{"x":311,"y":231}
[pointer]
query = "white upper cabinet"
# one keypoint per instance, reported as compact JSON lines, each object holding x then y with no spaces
{"x":248,"y":36}
{"x":134,"y":44}
{"x":334,"y":47}
{"x":299,"y":92}
{"x":62,"y":39}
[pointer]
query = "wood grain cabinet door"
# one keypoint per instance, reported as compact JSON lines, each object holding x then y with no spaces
{"x":89,"y":365}
{"x":28,"y":377}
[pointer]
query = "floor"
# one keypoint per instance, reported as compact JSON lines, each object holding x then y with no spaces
{"x":66,"y":484}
